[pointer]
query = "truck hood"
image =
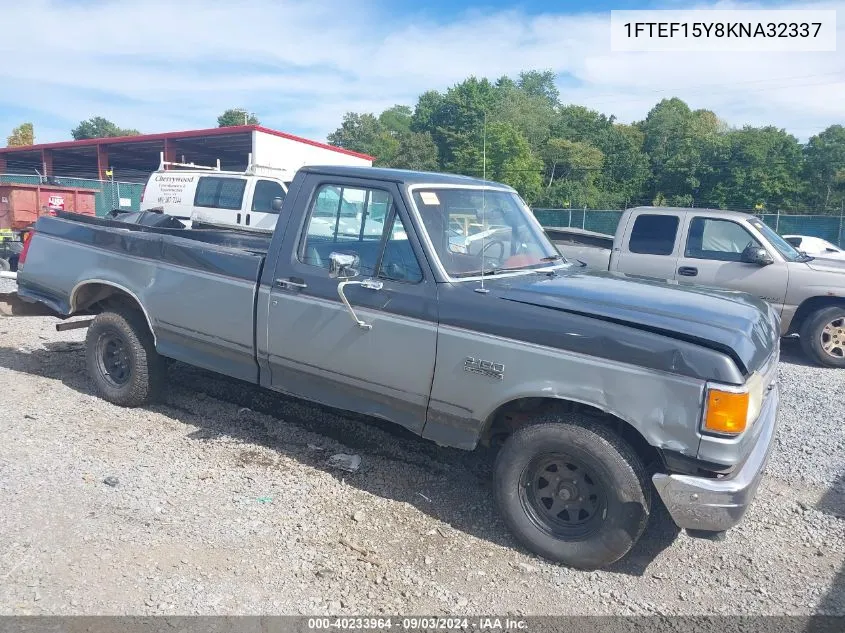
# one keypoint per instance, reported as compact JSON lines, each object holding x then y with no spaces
{"x":827,"y":264}
{"x":732,"y":322}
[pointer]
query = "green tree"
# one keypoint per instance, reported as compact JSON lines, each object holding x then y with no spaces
{"x":625,"y":168}
{"x":531,"y":114}
{"x":511,"y":161}
{"x":98,"y":127}
{"x":365,"y":133}
{"x":559,"y":155}
{"x":761,"y":166}
{"x":572,"y":160}
{"x":22,"y":135}
{"x":396,"y":121}
{"x":237,"y":116}
{"x":825,"y":169}
{"x":456,"y":122}
{"x":537,"y":83}
{"x":572,"y":168}
{"x":428,"y":104}
{"x":681,"y":145}
{"x":416,"y":151}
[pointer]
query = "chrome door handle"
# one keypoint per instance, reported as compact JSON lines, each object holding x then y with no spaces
{"x":290,"y":283}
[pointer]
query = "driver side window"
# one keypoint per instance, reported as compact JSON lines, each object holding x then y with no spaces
{"x":721,"y":240}
{"x":351,"y":220}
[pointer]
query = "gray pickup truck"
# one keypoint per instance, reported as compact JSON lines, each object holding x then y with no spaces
{"x":597,"y":389}
{"x":725,"y":249}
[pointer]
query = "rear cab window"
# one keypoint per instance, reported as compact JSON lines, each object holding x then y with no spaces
{"x":217,"y":192}
{"x":654,"y":234}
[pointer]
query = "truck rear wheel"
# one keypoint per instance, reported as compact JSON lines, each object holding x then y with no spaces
{"x":572,"y":492}
{"x":121,"y":358}
{"x":823,"y":336}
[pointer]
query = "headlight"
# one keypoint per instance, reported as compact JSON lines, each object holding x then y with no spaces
{"x":730,"y":410}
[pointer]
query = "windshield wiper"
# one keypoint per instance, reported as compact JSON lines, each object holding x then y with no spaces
{"x":485,"y":272}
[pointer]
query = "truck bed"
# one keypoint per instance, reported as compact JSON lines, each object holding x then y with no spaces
{"x":587,"y":246}
{"x":252,"y":242}
{"x":198,"y":288}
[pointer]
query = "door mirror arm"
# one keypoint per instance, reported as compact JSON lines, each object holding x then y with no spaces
{"x":371,"y":284}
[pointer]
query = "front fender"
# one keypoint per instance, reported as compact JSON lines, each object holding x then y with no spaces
{"x":664,"y":408}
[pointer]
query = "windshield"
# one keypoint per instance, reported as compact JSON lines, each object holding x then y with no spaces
{"x":783,"y":247}
{"x":475,"y":230}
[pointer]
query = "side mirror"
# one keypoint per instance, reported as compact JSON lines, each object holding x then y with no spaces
{"x":343,"y":265}
{"x":756,"y":255}
{"x":276,"y":204}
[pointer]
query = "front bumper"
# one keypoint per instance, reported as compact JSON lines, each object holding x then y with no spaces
{"x":700,"y":503}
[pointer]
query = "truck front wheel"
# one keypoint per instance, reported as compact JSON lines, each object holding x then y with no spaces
{"x":572,"y":492}
{"x":122,"y":361}
{"x":823,"y":336}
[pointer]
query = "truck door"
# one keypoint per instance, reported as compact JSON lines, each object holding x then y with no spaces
{"x":381,"y":362}
{"x":713,"y":257}
{"x":650,"y":246}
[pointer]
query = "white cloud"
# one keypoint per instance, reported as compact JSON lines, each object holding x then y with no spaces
{"x":158,"y":65}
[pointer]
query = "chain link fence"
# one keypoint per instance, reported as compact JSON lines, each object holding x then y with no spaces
{"x":827,"y":227}
{"x":110,"y":194}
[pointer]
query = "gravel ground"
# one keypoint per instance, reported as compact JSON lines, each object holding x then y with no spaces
{"x":223,"y":502}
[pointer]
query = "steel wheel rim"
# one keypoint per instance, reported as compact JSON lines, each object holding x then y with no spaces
{"x":832,"y":338}
{"x":113,"y":359}
{"x":563,"y":497}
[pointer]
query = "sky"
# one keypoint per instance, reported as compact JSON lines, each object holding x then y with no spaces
{"x":299,"y":65}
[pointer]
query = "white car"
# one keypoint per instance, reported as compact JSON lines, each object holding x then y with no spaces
{"x":815,"y":246}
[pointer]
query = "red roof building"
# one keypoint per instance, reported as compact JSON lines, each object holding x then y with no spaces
{"x":133,"y":158}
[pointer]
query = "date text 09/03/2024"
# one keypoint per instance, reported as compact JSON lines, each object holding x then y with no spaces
{"x":418,"y":623}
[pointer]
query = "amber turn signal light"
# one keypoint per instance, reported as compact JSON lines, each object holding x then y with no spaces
{"x":726,"y":412}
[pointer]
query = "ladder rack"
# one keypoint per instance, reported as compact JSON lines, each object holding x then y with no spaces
{"x":253,"y":168}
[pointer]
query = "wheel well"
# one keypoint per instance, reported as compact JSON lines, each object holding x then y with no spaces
{"x":519,"y":413}
{"x":96,"y":297}
{"x":809,"y":306}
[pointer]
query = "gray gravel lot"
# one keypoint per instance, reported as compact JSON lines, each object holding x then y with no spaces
{"x":225,"y":504}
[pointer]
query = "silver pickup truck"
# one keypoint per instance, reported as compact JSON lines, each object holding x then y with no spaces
{"x":598,"y":389}
{"x":730,"y":250}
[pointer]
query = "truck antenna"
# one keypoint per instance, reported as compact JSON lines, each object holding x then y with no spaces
{"x":482,"y":289}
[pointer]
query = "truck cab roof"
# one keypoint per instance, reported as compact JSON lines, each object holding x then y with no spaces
{"x":736,"y":215}
{"x":403,"y":176}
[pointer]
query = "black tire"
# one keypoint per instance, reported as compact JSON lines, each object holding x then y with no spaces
{"x":5,"y":266}
{"x":606,"y":468}
{"x":812,"y":331}
{"x":121,"y":358}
